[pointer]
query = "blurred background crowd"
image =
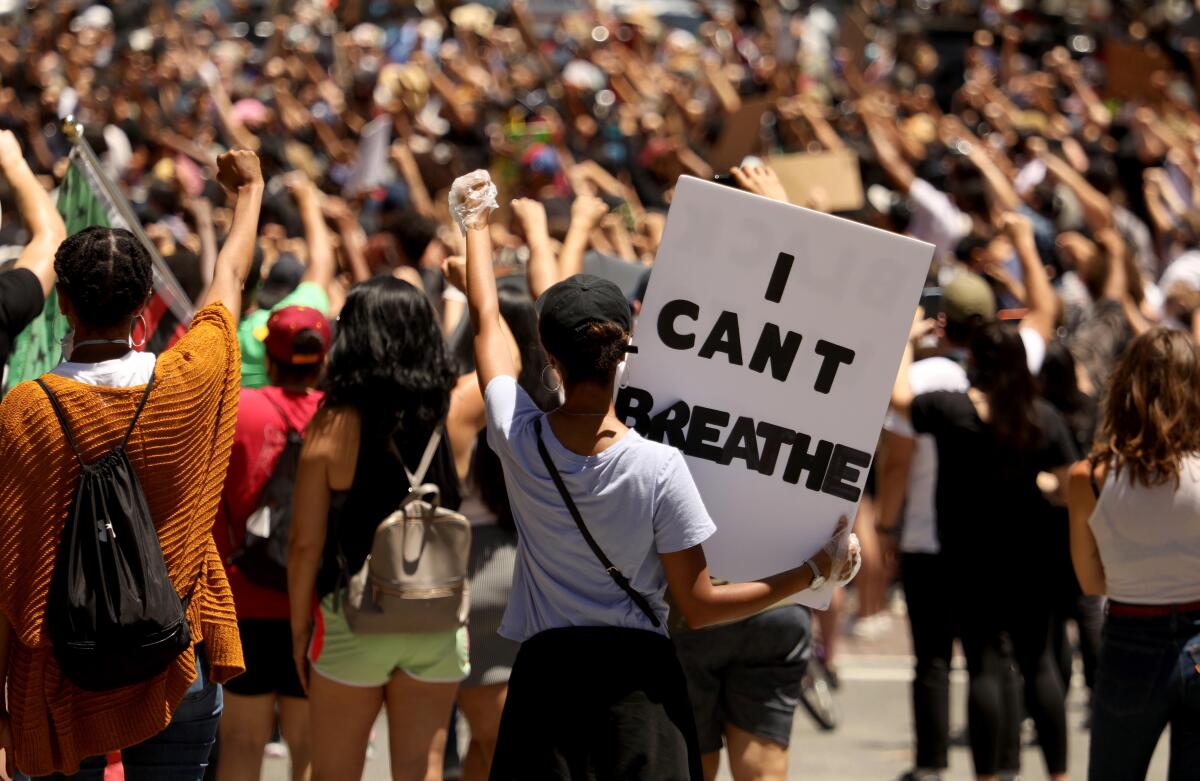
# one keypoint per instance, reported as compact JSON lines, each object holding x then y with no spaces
{"x":938,"y":119}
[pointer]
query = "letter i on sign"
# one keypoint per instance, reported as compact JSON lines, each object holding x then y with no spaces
{"x":779,"y":277}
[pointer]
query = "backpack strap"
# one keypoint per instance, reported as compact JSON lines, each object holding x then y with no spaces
{"x":138,"y":412}
{"x":287,"y":424}
{"x":609,"y":567}
{"x":62,"y":418}
{"x":416,"y":479}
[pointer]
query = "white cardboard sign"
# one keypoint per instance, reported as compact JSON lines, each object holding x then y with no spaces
{"x":767,"y":345}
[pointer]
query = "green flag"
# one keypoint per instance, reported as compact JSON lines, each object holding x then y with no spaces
{"x":37,"y":349}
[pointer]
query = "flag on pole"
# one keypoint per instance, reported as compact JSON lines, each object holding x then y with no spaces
{"x":38,"y":348}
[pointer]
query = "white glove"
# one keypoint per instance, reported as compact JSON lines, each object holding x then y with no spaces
{"x":845,"y":555}
{"x":472,"y":199}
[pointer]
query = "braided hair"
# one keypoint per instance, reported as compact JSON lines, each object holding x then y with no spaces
{"x":105,"y":273}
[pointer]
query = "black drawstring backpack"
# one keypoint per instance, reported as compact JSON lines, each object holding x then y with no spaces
{"x":113,"y":616}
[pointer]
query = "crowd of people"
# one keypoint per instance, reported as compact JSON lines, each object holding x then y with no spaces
{"x":364,"y":203}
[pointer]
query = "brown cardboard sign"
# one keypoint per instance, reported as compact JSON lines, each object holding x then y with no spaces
{"x":830,"y":180}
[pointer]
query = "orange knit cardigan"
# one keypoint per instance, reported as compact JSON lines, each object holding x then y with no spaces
{"x":180,"y":450}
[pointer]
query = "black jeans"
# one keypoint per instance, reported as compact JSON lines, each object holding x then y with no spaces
{"x":931,"y":622}
{"x":1148,"y":678}
{"x":998,"y":630}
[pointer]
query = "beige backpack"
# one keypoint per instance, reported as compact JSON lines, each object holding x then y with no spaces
{"x":415,"y":578}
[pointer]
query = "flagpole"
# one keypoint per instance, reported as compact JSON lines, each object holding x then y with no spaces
{"x":176,"y":299}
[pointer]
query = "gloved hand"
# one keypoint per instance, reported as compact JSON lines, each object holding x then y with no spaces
{"x":472,"y":199}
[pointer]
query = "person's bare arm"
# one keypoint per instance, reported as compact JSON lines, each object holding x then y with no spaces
{"x":354,"y":239}
{"x":586,"y":213}
{"x":492,"y":355}
{"x":1097,"y":209}
{"x":239,"y":172}
{"x":1116,"y":283}
{"x":324,"y":445}
{"x":704,"y":604}
{"x":321,"y":262}
{"x":814,"y":114}
{"x":1085,"y":554}
{"x":902,"y":392}
{"x":37,"y":211}
{"x":1040,"y":298}
{"x":894,"y":165}
{"x":895,"y":463}
{"x":417,"y":191}
{"x":202,"y":212}
{"x":542,"y":270}
{"x":234,"y":128}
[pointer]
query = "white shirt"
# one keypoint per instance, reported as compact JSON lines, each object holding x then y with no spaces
{"x":935,"y":219}
{"x":131,"y":369}
{"x":1149,"y":538}
{"x":919,"y":533}
{"x":1185,"y":269}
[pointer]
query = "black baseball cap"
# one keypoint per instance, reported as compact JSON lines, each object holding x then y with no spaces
{"x":570,"y":305}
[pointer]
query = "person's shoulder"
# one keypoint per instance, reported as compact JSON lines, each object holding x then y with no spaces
{"x":333,"y":433}
{"x":658,"y":457}
{"x":20,"y":400}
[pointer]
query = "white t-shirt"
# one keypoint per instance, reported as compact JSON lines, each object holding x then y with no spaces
{"x":131,"y":369}
{"x":637,"y":498}
{"x":919,"y":533}
{"x":936,"y":219}
{"x":1149,"y":538}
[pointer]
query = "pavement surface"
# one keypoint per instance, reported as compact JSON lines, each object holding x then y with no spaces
{"x":874,"y":740}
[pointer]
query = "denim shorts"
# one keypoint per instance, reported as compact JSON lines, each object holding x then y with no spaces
{"x":747,"y":674}
{"x":179,"y":753}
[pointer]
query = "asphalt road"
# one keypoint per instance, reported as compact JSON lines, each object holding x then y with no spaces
{"x":873,"y":742}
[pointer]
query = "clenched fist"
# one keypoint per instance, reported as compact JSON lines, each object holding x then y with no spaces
{"x":238,"y":169}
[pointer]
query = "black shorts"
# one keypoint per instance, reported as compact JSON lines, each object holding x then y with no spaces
{"x":747,"y":674}
{"x":267,"y":649}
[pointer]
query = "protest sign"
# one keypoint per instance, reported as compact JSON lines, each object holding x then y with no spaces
{"x":370,"y":164}
{"x":832,"y":179}
{"x":742,"y":134}
{"x":767,"y":345}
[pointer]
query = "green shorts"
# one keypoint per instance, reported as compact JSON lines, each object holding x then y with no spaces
{"x":370,"y":660}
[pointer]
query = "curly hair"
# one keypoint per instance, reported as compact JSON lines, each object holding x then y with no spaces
{"x":105,"y":273}
{"x":1150,"y":418}
{"x":389,"y":361}
{"x":593,"y":353}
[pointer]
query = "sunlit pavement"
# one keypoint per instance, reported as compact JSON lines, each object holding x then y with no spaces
{"x":873,"y":742}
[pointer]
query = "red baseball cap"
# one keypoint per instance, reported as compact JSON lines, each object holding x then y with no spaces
{"x":283,"y":327}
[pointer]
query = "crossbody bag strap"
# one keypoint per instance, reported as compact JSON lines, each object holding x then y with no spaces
{"x":609,"y":567}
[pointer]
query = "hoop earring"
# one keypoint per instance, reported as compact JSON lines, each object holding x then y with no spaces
{"x":552,"y":388}
{"x":145,"y":331}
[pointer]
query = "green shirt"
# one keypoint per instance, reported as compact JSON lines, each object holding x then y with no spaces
{"x":252,"y":331}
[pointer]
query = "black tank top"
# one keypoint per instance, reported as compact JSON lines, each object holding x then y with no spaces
{"x":378,"y":488}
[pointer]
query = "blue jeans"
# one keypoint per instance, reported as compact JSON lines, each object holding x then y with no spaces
{"x":1147,"y":679}
{"x":178,"y":753}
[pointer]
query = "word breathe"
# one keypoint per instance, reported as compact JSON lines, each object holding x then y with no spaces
{"x":774,"y":348}
{"x":832,"y":468}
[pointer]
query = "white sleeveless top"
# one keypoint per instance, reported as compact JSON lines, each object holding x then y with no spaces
{"x":1149,"y":538}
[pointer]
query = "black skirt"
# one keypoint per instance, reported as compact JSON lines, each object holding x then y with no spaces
{"x":594,"y":704}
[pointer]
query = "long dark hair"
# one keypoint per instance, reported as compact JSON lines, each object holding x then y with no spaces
{"x":999,"y":369}
{"x":1060,"y":386}
{"x":1151,"y":413}
{"x":389,"y":361}
{"x":516,"y":307}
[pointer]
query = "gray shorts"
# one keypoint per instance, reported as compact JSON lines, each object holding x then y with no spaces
{"x":747,"y":674}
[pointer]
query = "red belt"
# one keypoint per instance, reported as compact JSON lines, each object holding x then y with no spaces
{"x":1126,"y":610}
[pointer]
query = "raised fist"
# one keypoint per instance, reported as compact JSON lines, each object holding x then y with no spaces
{"x":238,"y":169}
